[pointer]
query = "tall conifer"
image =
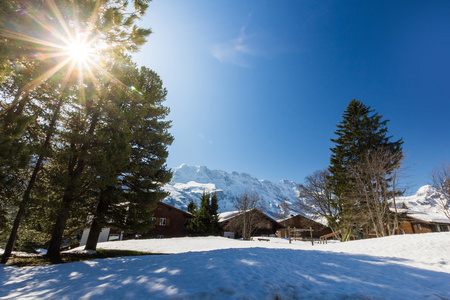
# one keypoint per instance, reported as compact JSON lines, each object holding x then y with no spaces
{"x":360,"y":132}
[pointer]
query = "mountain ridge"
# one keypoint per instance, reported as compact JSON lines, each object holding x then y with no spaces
{"x":189,"y":182}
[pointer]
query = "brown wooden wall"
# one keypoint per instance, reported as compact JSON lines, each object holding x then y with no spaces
{"x":301,"y":222}
{"x":411,"y":227}
{"x":175,"y":222}
{"x":405,"y":227}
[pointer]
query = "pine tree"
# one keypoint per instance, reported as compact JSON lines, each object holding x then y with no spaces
{"x":192,"y":207}
{"x":206,"y":221}
{"x":214,"y":222}
{"x":131,"y":166}
{"x":360,"y":132}
{"x":28,"y":63}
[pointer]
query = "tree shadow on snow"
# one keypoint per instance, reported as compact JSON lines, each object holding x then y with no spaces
{"x":251,"y":273}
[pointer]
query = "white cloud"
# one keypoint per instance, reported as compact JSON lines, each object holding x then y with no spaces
{"x":234,"y":51}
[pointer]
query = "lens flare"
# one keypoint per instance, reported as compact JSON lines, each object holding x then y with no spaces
{"x":78,"y":51}
{"x":66,"y":45}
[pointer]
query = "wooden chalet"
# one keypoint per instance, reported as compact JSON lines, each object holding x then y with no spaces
{"x":266,"y":226}
{"x":302,"y":224}
{"x":169,"y":222}
{"x":411,"y":222}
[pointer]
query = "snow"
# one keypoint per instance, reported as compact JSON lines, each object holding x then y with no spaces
{"x":396,"y":267}
{"x":227,"y":215}
{"x":425,"y":216}
{"x":189,"y":182}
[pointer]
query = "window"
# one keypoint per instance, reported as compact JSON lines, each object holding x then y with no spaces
{"x":160,"y":237}
{"x":162,"y":221}
{"x":154,"y":219}
{"x":419,"y":226}
{"x":403,"y":231}
{"x":114,"y":237}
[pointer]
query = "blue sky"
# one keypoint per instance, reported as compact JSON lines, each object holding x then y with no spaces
{"x":259,"y":86}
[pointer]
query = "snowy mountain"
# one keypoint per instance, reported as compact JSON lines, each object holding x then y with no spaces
{"x":189,"y":182}
{"x":424,"y":200}
{"x":423,"y":205}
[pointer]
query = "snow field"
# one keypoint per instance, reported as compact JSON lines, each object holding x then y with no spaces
{"x":399,"y":267}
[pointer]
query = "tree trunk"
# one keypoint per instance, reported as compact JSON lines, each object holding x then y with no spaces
{"x":60,"y":224}
{"x":245,"y":229}
{"x":96,"y":226}
{"x":94,"y":233}
{"x":26,"y":196}
{"x":75,"y":170}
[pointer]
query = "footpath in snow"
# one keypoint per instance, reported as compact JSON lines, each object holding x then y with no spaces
{"x":398,"y":267}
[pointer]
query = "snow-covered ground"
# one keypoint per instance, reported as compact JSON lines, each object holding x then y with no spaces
{"x":398,"y":267}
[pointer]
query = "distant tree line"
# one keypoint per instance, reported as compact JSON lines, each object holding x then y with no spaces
{"x":80,"y":144}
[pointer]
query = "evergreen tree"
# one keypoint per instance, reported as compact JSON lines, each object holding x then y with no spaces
{"x":206,"y":221}
{"x":360,"y":132}
{"x":192,"y":208}
{"x":28,"y":62}
{"x":213,"y":208}
{"x":131,"y":166}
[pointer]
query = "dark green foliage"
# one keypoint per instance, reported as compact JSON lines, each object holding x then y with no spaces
{"x":131,"y":151}
{"x":206,"y":221}
{"x":192,"y":208}
{"x":213,"y":208}
{"x":104,"y":138}
{"x":360,"y":133}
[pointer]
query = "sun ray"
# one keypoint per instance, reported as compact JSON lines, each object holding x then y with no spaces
{"x":34,"y":83}
{"x":72,"y":47}
{"x":93,"y":18}
{"x":109,"y":75}
{"x":67,"y":76}
{"x":50,"y":28}
{"x":26,"y":38}
{"x":59,"y":17}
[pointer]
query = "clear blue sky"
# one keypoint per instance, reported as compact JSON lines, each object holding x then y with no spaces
{"x":259,"y":86}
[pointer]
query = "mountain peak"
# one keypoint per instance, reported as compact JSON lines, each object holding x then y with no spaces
{"x":189,"y":182}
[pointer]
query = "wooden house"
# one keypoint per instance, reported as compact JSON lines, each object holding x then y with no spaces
{"x":300,"y":223}
{"x":411,"y":222}
{"x":232,"y":222}
{"x":169,"y":222}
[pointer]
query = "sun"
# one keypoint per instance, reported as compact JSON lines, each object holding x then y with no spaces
{"x":78,"y":51}
{"x":82,"y":53}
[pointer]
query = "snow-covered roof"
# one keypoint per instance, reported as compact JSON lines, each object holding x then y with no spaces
{"x":424,"y":216}
{"x":228,"y":215}
{"x":231,"y":214}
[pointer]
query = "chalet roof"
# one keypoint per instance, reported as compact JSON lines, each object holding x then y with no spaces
{"x":228,"y":215}
{"x":188,"y":214}
{"x":225,"y":216}
{"x":281,"y":221}
{"x":424,"y":216}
